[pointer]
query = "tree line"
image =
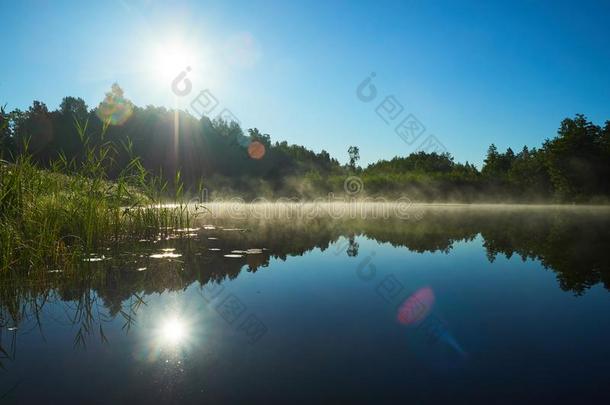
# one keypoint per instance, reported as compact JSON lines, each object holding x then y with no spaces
{"x":573,"y":166}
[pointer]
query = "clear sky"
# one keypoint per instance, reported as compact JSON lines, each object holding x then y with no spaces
{"x":473,"y":73}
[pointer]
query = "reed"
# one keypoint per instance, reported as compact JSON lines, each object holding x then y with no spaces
{"x":54,"y":217}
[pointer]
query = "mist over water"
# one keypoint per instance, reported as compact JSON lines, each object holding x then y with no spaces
{"x":369,"y":302}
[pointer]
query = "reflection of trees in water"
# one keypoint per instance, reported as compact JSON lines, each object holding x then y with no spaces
{"x":572,"y":243}
{"x":352,"y":248}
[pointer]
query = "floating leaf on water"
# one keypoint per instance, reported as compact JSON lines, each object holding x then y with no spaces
{"x":167,"y":255}
{"x":254,"y":251}
{"x":214,"y":249}
{"x":55,"y":271}
{"x":12,"y":328}
{"x":95,"y":259}
{"x":234,"y":256}
{"x":187,"y":230}
{"x":212,"y":238}
{"x":168,"y":249}
{"x":141,"y":268}
{"x":209,"y":227}
{"x":238,"y":251}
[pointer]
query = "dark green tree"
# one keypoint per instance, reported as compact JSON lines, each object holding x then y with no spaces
{"x":575,"y":159}
{"x":354,"y":156}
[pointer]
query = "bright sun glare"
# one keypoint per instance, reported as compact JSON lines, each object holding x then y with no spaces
{"x":173,"y":331}
{"x":171,"y":59}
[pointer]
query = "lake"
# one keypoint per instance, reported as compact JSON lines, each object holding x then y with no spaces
{"x":474,"y":304}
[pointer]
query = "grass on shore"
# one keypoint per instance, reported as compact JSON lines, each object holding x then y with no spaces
{"x":55,"y":217}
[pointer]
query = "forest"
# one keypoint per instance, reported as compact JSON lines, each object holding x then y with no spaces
{"x":573,"y":166}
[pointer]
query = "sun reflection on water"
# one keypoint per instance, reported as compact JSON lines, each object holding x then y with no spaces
{"x":168,"y":337}
{"x":173,"y":331}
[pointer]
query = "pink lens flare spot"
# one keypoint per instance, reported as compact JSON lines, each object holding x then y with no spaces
{"x":256,"y":150}
{"x":416,"y":307}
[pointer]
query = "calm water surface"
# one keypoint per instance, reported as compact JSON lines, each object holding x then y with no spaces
{"x":461,"y":305}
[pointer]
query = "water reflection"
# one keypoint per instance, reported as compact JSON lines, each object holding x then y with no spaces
{"x":172,"y":331}
{"x":570,"y":243}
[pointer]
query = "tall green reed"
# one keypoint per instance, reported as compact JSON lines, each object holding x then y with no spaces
{"x":53,"y":218}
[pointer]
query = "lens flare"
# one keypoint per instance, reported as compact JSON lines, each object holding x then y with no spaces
{"x":416,"y":307}
{"x":242,"y":50}
{"x":256,"y":150}
{"x":115,"y":109}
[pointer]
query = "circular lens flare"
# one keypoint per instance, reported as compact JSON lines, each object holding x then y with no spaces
{"x":115,"y":109}
{"x":256,"y":150}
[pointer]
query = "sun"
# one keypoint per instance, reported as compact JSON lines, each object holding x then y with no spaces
{"x":170,"y":65}
{"x":170,"y":59}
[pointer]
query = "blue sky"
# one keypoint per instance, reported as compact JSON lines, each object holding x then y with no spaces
{"x":473,"y":73}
